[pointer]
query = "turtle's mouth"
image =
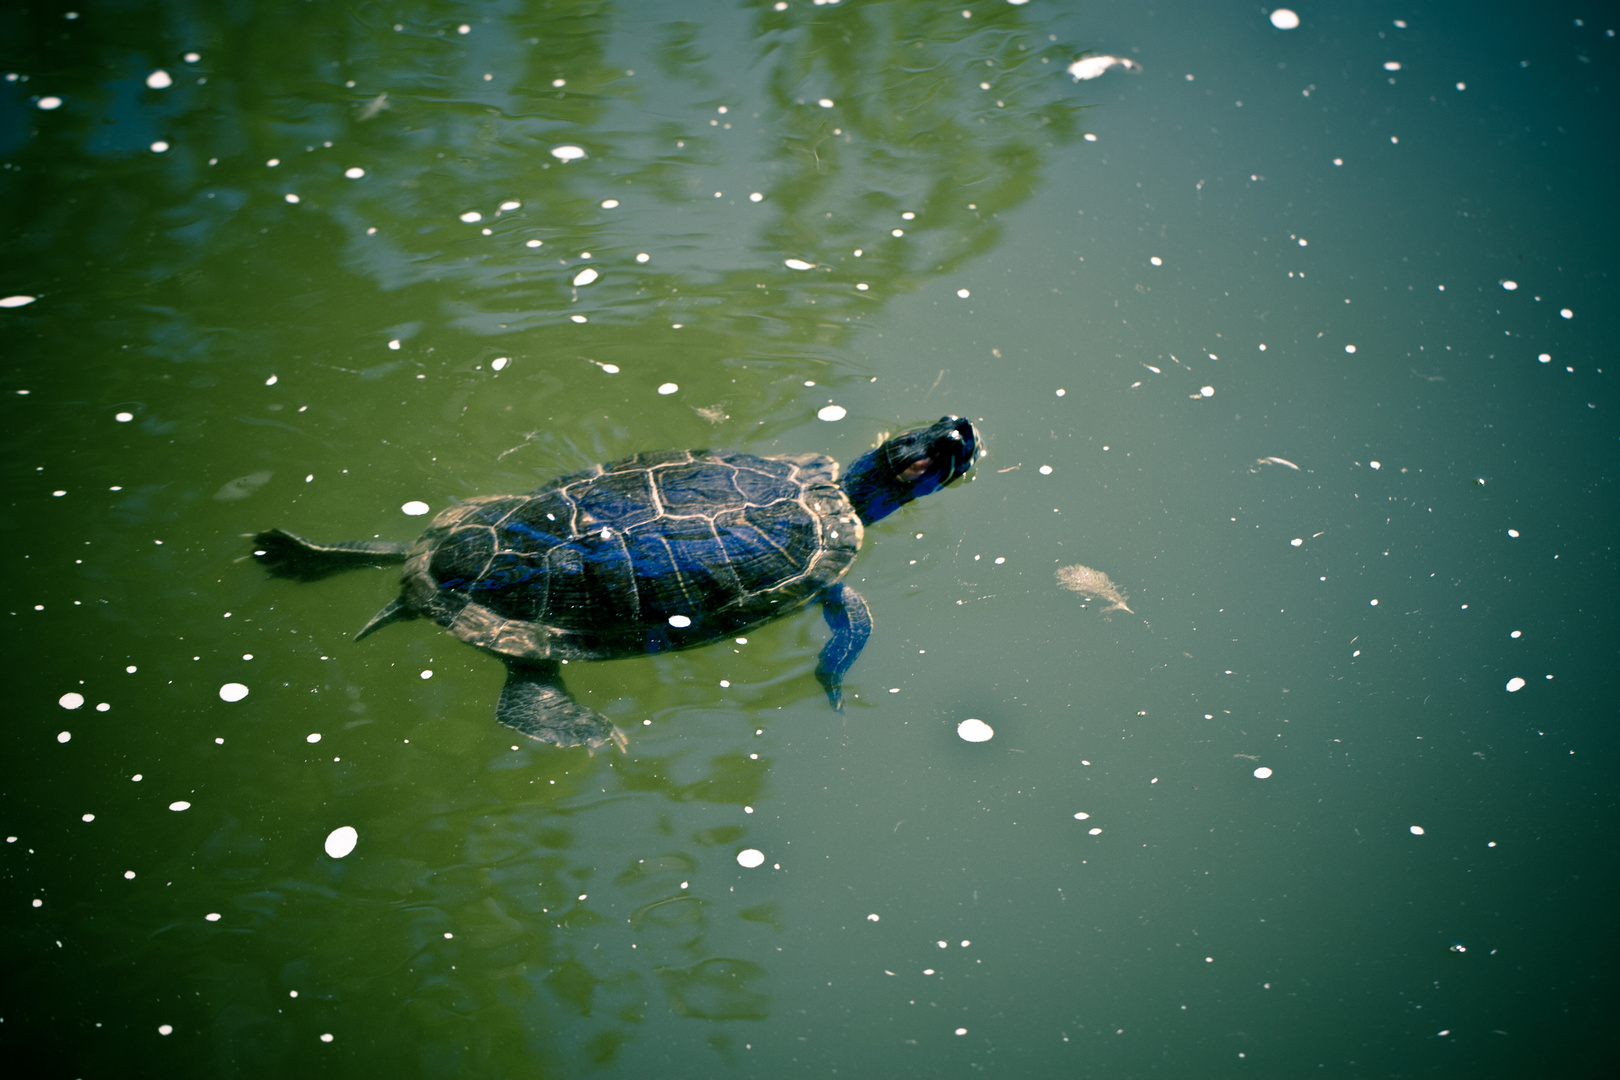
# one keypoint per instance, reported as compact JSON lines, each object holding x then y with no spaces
{"x":946,"y":449}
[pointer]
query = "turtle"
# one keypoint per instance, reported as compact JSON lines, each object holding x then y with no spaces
{"x":652,"y":553}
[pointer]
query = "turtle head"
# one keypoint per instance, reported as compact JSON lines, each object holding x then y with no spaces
{"x":910,"y":465}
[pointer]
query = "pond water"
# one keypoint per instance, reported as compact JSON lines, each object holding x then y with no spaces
{"x":1292,"y":337}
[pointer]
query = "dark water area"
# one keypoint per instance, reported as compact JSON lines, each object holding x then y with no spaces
{"x":1295,"y":336}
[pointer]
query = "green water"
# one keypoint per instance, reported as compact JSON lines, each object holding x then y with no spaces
{"x":1075,"y":263}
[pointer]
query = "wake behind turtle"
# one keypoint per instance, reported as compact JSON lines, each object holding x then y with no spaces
{"x":651,"y":553}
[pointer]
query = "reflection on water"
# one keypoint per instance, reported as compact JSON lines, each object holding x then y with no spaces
{"x":343,"y":267}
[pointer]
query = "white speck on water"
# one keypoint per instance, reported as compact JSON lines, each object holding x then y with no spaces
{"x":668,"y":388}
{"x":159,"y":80}
{"x":472,"y":216}
{"x":611,"y":369}
{"x":963,"y":293}
{"x":1510,"y":285}
{"x":1350,"y":348}
{"x":233,"y":691}
{"x":1515,"y":684}
{"x":313,"y":737}
{"x":49,"y":102}
{"x":861,"y":286}
{"x":755,"y":197}
{"x":567,"y":153}
{"x":414,"y":508}
{"x":533,"y":243}
{"x":341,"y":840}
{"x":178,"y":805}
{"x":642,"y":256}
{"x":1372,"y":603}
{"x":961,"y":1031}
{"x":499,"y":363}
{"x":1156,"y":261}
{"x":1392,"y":65}
{"x":123,"y":417}
{"x":70,"y":700}
{"x":609,"y":204}
{"x":271,"y":381}
{"x":1416,"y":830}
{"x":1284,"y":19}
{"x":17,"y":301}
{"x":894,"y":690}
{"x":586,"y":276}
{"x":1375,"y":465}
{"x":464,"y":29}
{"x":1082,"y":816}
{"x":742,"y":641}
{"x":1515,"y":634}
{"x":102,"y":707}
{"x":750,"y":858}
{"x":212,"y":916}
{"x":1566,"y":313}
{"x":1046,"y":470}
{"x":1094,"y":832}
{"x":798,"y":264}
{"x":680,"y":621}
{"x":1338,"y":161}
{"x":1206,"y":391}
{"x":394,"y":344}
{"x":87,"y":817}
{"x":872,"y":917}
{"x":1513,"y":533}
{"x":427,"y":673}
{"x":511,"y":204}
{"x":578,"y":318}
{"x":165,"y":1029}
{"x":129,"y":875}
{"x":290,"y":197}
{"x":825,"y":103}
{"x":160,"y":147}
{"x":1545,"y":358}
{"x":832,"y":412}
{"x":1296,"y":541}
{"x":727,"y":682}
{"x":1262,"y":773}
{"x":972,"y":730}
{"x":354,"y":172}
{"x":1462,"y":86}
{"x":326,"y":1036}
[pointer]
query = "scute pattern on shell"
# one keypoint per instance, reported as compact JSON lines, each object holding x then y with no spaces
{"x":591,"y":566}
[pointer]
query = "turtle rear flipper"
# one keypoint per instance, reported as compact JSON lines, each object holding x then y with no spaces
{"x":288,"y":555}
{"x":535,"y":702}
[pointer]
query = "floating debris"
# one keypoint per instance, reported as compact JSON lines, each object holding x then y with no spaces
{"x":1093,"y":583}
{"x":1089,"y":67}
{"x":972,"y":730}
{"x":341,"y":841}
{"x":750,"y":858}
{"x":1277,"y":461}
{"x":1284,"y":19}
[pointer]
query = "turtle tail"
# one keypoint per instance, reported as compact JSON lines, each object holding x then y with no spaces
{"x":396,"y":611}
{"x":288,"y":555}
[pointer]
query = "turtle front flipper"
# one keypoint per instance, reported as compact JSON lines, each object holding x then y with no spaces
{"x":851,"y":623}
{"x":289,"y":555}
{"x":535,"y":702}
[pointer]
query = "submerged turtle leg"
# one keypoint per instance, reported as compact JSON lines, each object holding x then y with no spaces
{"x":851,"y":623}
{"x":289,"y":555}
{"x":395,"y":611}
{"x":535,"y":702}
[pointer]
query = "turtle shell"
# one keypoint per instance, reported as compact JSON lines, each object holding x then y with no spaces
{"x":659,"y":551}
